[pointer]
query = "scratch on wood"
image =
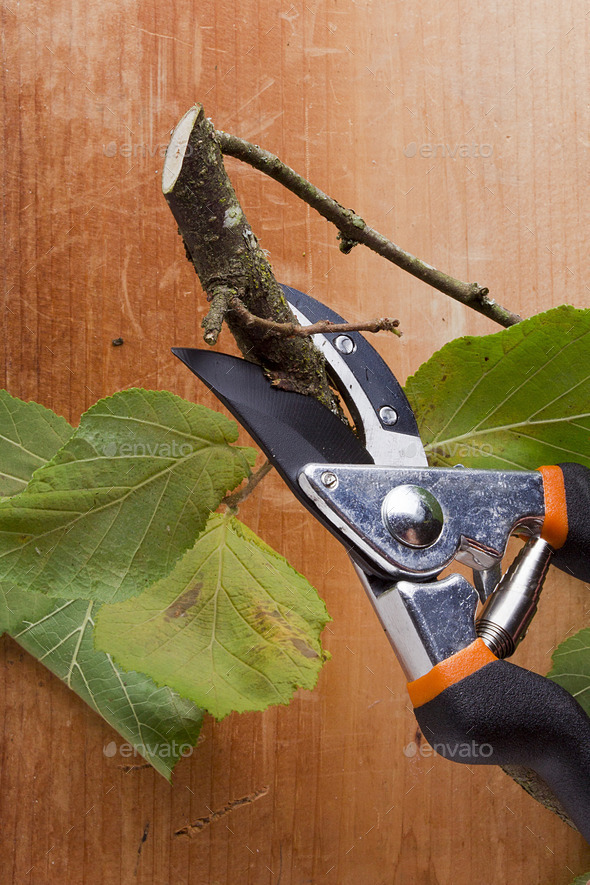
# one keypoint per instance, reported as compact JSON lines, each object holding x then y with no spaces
{"x":126,"y":301}
{"x":144,"y":836}
{"x":127,"y":768}
{"x":202,"y":822}
{"x":163,"y":36}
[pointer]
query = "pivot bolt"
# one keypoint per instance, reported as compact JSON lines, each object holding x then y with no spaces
{"x":412,"y":515}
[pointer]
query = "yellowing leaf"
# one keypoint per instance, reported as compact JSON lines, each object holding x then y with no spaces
{"x":517,"y":399}
{"x":232,"y":627}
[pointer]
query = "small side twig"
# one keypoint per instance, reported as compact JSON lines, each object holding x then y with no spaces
{"x":353,"y":229}
{"x":213,"y":321}
{"x":294,"y":330}
{"x":235,"y":499}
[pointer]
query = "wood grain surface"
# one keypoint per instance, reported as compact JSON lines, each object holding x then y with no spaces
{"x":373,"y":101}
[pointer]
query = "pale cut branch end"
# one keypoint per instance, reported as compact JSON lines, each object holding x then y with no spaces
{"x":229,"y":261}
{"x":176,"y":150}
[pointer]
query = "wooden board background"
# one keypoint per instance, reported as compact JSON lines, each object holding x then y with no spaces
{"x":357,"y":96}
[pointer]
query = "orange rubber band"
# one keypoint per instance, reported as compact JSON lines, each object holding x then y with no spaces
{"x":555,"y":526}
{"x":465,"y":662}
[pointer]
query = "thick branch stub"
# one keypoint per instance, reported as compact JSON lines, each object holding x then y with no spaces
{"x":220,"y":301}
{"x":353,"y":229}
{"x":345,"y":244}
{"x":228,"y":259}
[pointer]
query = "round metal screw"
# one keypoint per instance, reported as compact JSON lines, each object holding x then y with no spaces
{"x":388,"y":416}
{"x":345,"y":345}
{"x":413,"y":516}
{"x":330,"y":480}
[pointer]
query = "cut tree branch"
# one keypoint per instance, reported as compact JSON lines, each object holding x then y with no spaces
{"x":353,"y":229}
{"x":229,"y":261}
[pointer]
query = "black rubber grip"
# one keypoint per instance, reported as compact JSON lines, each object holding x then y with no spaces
{"x":574,"y":556}
{"x":505,"y":715}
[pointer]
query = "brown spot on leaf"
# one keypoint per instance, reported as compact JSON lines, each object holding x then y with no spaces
{"x":306,"y":650}
{"x":182,"y":603}
{"x":272,"y":625}
{"x":264,"y":619}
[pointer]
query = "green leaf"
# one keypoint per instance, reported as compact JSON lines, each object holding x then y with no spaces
{"x":571,"y":667}
{"x":30,"y":435}
{"x":123,"y":498}
{"x":517,"y":399}
{"x":584,"y":879}
{"x":233,"y":627}
{"x":155,"y":721}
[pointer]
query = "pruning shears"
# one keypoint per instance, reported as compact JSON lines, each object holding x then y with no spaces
{"x":402,"y":523}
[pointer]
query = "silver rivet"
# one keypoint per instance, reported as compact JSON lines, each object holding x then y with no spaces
{"x":388,"y":416}
{"x":330,"y":480}
{"x":413,"y":516}
{"x":345,"y":345}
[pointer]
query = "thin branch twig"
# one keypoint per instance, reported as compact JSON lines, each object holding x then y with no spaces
{"x":294,"y":330}
{"x":235,"y":499}
{"x":353,"y":229}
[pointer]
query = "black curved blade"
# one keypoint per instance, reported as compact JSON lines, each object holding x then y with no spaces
{"x":367,"y":385}
{"x":292,"y":430}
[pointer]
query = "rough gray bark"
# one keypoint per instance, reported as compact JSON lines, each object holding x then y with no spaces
{"x":229,"y":261}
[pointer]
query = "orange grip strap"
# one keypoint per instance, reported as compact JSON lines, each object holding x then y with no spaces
{"x":450,"y":671}
{"x":555,"y":526}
